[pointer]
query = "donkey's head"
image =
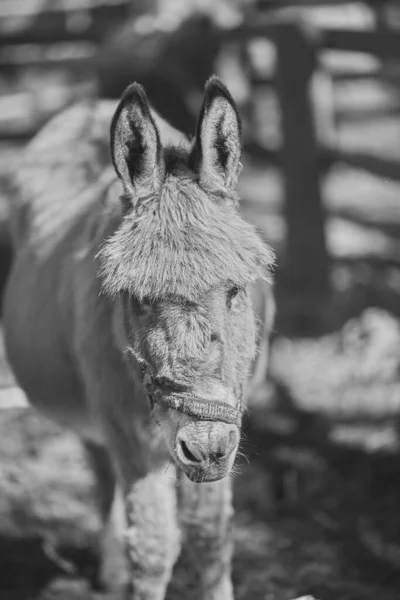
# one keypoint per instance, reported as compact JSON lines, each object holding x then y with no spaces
{"x":181,"y":263}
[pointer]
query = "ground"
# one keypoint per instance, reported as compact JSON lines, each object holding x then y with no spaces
{"x":316,"y":503}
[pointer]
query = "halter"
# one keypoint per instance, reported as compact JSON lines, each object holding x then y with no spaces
{"x":196,"y":407}
{"x":203,"y":410}
{"x":191,"y":405}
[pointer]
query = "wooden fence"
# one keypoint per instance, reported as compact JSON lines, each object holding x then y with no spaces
{"x":302,"y":158}
{"x":65,"y":37}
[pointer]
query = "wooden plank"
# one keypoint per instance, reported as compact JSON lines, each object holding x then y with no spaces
{"x":306,"y":263}
{"x":259,"y":80}
{"x":40,"y":60}
{"x":22,"y":8}
{"x":386,"y":168}
{"x":378,"y":43}
{"x":281,"y":4}
{"x":52,"y":27}
{"x":360,"y":75}
{"x":382,"y":44}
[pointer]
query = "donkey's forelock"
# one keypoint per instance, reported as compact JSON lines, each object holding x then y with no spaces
{"x":182,"y":242}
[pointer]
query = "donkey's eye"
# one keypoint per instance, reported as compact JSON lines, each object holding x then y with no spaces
{"x":146,"y":305}
{"x":231,"y":294}
{"x":146,"y":302}
{"x":142,"y":304}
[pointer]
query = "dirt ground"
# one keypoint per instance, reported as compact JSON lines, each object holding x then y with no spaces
{"x":316,"y":503}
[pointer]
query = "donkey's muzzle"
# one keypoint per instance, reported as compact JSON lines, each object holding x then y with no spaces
{"x":205,"y":446}
{"x":206,"y":451}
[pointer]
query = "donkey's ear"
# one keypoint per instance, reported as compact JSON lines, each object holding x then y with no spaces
{"x":218,"y":144}
{"x":135,"y":141}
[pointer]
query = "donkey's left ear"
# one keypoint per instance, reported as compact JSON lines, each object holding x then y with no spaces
{"x":135,"y":141}
{"x":218,"y":144}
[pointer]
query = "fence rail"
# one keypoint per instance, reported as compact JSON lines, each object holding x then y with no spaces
{"x":23,"y":8}
{"x":278,"y":4}
{"x":382,"y":44}
{"x":80,"y":59}
{"x":384,"y":168}
{"x":52,"y":27}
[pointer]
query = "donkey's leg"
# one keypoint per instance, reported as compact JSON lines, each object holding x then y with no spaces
{"x":147,"y":535}
{"x":113,"y":574}
{"x":152,"y":535}
{"x":206,"y":511}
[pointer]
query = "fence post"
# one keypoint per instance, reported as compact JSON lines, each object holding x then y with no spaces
{"x":305,"y":268}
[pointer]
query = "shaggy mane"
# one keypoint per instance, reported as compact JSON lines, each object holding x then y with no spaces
{"x":181,"y":243}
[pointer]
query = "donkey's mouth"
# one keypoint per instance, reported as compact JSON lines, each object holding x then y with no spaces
{"x":208,"y":473}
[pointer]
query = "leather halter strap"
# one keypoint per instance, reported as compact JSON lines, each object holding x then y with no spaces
{"x":200,"y":409}
{"x":194,"y":406}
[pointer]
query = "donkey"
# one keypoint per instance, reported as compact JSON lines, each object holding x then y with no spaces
{"x":129,"y":320}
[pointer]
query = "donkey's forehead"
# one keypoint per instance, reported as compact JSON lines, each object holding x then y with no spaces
{"x":182,"y":243}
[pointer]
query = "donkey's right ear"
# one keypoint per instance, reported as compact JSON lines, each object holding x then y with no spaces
{"x":135,"y":141}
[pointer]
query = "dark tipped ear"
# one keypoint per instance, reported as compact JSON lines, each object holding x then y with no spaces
{"x":135,"y":140}
{"x":218,"y":144}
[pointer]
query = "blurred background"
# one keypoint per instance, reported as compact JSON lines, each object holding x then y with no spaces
{"x":317,"y":83}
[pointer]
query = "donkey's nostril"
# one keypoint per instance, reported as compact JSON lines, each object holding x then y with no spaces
{"x":187,"y":454}
{"x":224,"y":446}
{"x":206,"y":445}
{"x":233,"y":439}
